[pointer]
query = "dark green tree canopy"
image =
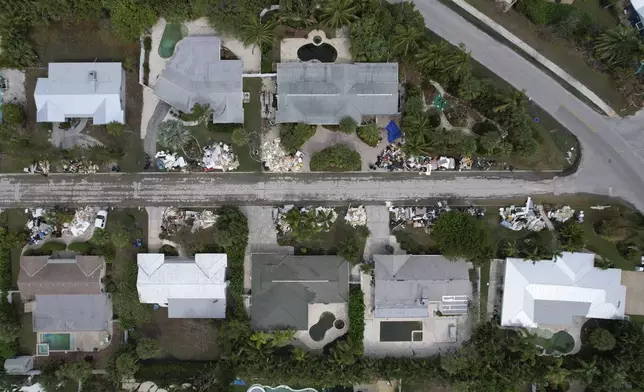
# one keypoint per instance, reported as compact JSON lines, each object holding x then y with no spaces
{"x":460,"y":235}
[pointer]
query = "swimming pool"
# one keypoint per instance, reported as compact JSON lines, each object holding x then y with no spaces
{"x":172,"y":34}
{"x":280,"y":388}
{"x":57,"y":341}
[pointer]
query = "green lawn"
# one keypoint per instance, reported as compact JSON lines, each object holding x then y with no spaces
{"x":416,"y":241}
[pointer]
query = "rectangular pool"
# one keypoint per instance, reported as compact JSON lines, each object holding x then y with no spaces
{"x":399,"y":331}
{"x":57,"y":341}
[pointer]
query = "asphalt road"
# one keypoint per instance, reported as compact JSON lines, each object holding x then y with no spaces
{"x":612,"y":149}
{"x":208,"y":189}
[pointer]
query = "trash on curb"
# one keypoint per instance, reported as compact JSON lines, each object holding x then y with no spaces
{"x":83,"y":219}
{"x":562,"y":214}
{"x":276,"y":160}
{"x":169,"y":161}
{"x":219,"y":157}
{"x":40,"y":167}
{"x":38,"y":228}
{"x":426,"y":216}
{"x":356,"y":216}
{"x":522,"y":217}
{"x":174,"y":220}
{"x":78,"y":166}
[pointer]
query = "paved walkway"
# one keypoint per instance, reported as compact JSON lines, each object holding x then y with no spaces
{"x":594,"y":98}
{"x":155,"y":219}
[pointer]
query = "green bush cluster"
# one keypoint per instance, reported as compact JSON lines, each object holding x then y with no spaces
{"x":542,"y":12}
{"x":337,"y":158}
{"x":370,"y":134}
{"x":48,"y":248}
{"x":232,"y":233}
{"x":83,"y":248}
{"x":293,"y":136}
{"x":356,"y":317}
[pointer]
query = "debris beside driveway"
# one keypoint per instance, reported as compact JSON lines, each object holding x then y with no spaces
{"x":276,"y":160}
{"x":219,"y":157}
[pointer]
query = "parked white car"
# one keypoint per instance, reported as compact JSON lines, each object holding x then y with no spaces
{"x":101,"y":219}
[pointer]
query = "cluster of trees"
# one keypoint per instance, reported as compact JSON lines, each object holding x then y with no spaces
{"x":618,"y":50}
{"x":336,"y":158}
{"x":293,"y":136}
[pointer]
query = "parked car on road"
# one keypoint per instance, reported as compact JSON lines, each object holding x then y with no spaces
{"x":101,"y":219}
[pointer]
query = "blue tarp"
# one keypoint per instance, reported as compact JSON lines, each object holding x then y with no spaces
{"x":393,"y":131}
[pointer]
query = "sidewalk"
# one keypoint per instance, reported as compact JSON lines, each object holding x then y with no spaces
{"x":585,"y":91}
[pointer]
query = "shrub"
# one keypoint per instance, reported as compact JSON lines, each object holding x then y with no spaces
{"x":13,"y":114}
{"x":602,"y":340}
{"x":460,"y":235}
{"x":370,"y":134}
{"x":49,"y":247}
{"x":337,"y":158}
{"x":84,"y":248}
{"x":240,"y":137}
{"x":356,"y":317}
{"x":293,"y":136}
{"x":169,"y":250}
{"x":542,"y":12}
{"x":147,"y":348}
{"x":348,"y":125}
{"x":115,"y":128}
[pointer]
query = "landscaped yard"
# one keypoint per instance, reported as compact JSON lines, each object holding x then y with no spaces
{"x":554,"y":48}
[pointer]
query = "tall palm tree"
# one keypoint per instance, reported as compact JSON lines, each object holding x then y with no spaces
{"x":430,"y":55}
{"x":417,"y":125}
{"x":586,"y":370}
{"x":456,"y":65}
{"x":338,"y":13}
{"x":417,"y":145}
{"x":406,"y":39}
{"x":298,"y":12}
{"x":619,"y":46}
{"x":344,"y":353}
{"x":258,"y":34}
{"x":299,"y":354}
{"x":510,"y":103}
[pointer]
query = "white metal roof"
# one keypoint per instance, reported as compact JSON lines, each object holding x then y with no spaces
{"x":79,"y":90}
{"x":639,"y":7}
{"x":552,"y":292}
{"x":161,"y":278}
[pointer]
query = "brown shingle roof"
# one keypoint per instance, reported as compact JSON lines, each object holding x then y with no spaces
{"x":43,"y":275}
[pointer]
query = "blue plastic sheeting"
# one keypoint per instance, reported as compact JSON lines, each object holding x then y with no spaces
{"x":393,"y":131}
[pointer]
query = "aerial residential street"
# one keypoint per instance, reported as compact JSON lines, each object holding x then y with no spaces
{"x":131,"y":190}
{"x":613,"y":149}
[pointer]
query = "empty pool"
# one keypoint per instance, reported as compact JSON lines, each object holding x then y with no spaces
{"x":401,"y":331}
{"x":325,"y":323}
{"x":324,"y":53}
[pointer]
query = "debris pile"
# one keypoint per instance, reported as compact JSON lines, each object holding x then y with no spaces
{"x":219,"y":157}
{"x":83,"y":218}
{"x":356,"y":216}
{"x":175,"y":220}
{"x":522,"y":217}
{"x":39,"y":229}
{"x":40,"y":167}
{"x":426,"y":216}
{"x":169,"y":161}
{"x":393,"y":158}
{"x":276,"y":160}
{"x":322,"y":217}
{"x":562,"y":215}
{"x":78,"y":166}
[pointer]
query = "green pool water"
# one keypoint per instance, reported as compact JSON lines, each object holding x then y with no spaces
{"x":171,"y":35}
{"x":57,"y":341}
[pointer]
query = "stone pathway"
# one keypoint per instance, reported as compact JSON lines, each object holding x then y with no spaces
{"x":324,"y":138}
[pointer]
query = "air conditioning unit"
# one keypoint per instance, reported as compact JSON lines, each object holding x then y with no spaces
{"x":639,"y":26}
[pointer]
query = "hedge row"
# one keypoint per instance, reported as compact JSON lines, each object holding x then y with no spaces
{"x":356,"y":317}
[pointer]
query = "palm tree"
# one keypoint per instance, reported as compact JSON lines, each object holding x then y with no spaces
{"x":457,"y":64}
{"x":510,"y":248}
{"x":419,"y":124}
{"x":510,"y":103}
{"x":258,"y":34}
{"x":172,"y":134}
{"x":260,"y":339}
{"x":586,"y":370}
{"x":619,"y":46}
{"x":338,"y":13}
{"x":299,"y":12}
{"x":406,"y":39}
{"x":283,"y":337}
{"x":77,"y":372}
{"x":430,"y":55}
{"x":344,"y":353}
{"x":416,"y":145}
{"x":299,"y":354}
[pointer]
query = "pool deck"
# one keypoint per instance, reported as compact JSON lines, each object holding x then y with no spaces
{"x":290,"y":46}
{"x":340,"y":311}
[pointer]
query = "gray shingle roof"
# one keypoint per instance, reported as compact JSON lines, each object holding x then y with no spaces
{"x":196,"y":74}
{"x":196,"y":308}
{"x":403,"y":282}
{"x":283,"y":286}
{"x":61,"y":313}
{"x":318,"y":93}
{"x":50,"y":276}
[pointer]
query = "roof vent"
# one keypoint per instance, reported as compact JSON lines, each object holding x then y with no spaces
{"x":92,"y":76}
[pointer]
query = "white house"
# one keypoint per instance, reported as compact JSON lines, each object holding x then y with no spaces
{"x":81,"y":90}
{"x":639,"y":8}
{"x":189,"y":288}
{"x":551,"y":293}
